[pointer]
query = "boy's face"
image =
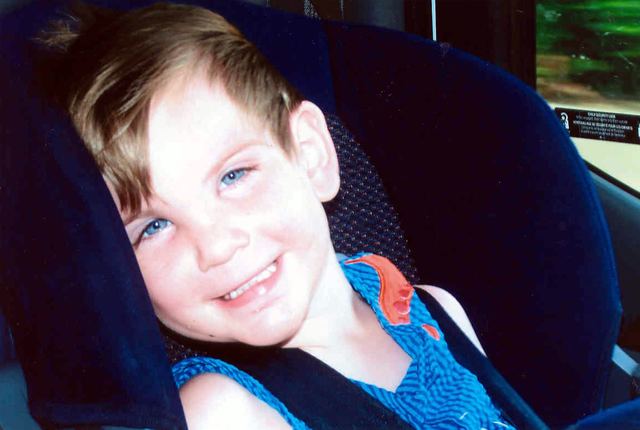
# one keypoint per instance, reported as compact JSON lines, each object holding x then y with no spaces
{"x":234,"y":240}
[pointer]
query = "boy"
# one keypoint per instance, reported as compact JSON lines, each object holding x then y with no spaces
{"x":219,"y":169}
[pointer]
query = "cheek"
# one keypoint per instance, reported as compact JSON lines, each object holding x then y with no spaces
{"x":163,"y":272}
{"x":288,"y":209}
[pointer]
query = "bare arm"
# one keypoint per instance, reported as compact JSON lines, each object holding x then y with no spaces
{"x":455,"y":311}
{"x":215,"y":401}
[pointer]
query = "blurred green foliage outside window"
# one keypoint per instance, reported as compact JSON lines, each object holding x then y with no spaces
{"x":588,"y":51}
{"x":588,"y":57}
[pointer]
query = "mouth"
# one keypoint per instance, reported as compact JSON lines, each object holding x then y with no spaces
{"x":254,"y":285}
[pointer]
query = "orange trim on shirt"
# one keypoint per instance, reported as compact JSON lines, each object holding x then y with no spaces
{"x":395,"y":291}
{"x":433,"y":332}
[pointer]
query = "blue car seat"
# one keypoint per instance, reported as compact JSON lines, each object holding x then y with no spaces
{"x":494,"y":202}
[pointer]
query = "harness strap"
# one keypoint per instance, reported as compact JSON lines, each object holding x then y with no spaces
{"x":513,"y":407}
{"x":320,"y":396}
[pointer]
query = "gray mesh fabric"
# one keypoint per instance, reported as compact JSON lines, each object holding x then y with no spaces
{"x":361,"y":217}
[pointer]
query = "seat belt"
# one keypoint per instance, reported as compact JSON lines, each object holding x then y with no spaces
{"x":513,"y":407}
{"x":311,"y":390}
{"x":324,"y":399}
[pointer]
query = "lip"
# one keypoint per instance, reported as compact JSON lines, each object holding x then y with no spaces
{"x":257,"y":293}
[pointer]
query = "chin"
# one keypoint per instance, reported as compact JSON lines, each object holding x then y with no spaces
{"x":277,"y":331}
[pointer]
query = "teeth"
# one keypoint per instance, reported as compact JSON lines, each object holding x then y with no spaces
{"x":262,"y":276}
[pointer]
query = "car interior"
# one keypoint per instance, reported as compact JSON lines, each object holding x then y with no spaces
{"x":452,"y":167}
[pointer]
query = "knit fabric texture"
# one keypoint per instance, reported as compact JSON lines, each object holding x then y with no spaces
{"x":436,"y":392}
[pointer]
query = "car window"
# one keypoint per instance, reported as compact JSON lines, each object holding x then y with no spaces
{"x":588,"y":69}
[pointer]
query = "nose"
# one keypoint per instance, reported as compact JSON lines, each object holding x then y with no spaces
{"x":217,"y":243}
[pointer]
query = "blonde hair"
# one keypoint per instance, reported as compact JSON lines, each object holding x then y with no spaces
{"x":114,"y":62}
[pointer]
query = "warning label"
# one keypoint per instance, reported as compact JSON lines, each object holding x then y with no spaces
{"x":600,"y":125}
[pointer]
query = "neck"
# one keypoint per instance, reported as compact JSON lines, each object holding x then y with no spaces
{"x":337,"y":314}
{"x":342,"y":331}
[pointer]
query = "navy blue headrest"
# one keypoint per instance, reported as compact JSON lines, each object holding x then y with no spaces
{"x":82,"y":321}
{"x":497,"y":205}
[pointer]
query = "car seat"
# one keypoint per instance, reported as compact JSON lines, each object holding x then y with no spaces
{"x":495,"y":204}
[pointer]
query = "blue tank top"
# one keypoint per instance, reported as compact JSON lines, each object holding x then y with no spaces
{"x":436,"y":392}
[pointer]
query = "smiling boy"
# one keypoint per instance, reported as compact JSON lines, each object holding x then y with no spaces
{"x":219,"y":170}
{"x":235,"y":221}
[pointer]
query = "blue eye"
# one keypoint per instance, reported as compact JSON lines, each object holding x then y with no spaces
{"x":233,"y":176}
{"x":154,"y":227}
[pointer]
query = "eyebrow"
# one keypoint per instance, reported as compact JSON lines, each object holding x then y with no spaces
{"x":232,"y":152}
{"x":135,"y":215}
{"x":131,"y":217}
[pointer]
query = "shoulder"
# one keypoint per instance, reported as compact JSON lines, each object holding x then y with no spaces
{"x":212,"y":400}
{"x":455,"y":310}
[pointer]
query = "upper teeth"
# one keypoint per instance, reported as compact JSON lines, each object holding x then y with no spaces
{"x":266,"y":273}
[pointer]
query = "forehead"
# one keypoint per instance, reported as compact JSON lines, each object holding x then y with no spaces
{"x":192,"y":124}
{"x":191,"y":102}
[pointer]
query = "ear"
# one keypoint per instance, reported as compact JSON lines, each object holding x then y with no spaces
{"x":314,"y":149}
